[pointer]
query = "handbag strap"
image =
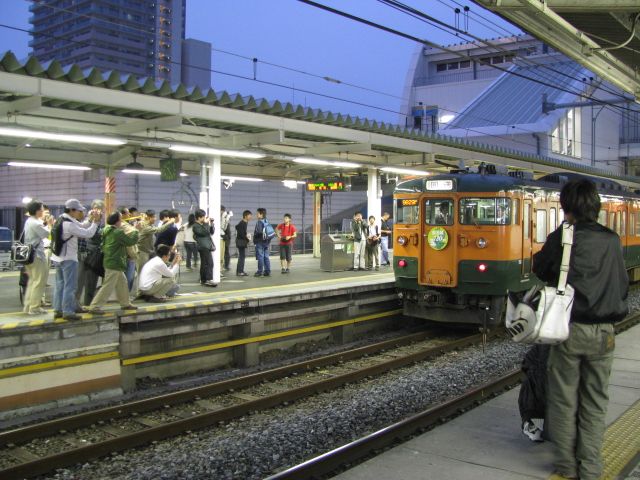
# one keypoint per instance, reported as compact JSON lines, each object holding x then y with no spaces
{"x":567,"y":242}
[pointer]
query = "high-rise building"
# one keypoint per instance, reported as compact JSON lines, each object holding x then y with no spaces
{"x":141,"y":37}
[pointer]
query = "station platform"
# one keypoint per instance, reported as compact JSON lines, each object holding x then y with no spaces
{"x":47,"y":363}
{"x":305,"y":275}
{"x":487,"y":443}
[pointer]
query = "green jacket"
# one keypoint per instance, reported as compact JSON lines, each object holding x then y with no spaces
{"x":202,"y":236}
{"x":114,"y":247}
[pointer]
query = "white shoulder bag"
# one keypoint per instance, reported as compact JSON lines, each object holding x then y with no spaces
{"x":548,"y":322}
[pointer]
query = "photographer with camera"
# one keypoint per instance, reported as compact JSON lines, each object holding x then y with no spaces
{"x":202,"y":231}
{"x":157,"y":280}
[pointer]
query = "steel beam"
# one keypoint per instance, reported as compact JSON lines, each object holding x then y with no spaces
{"x":138,"y":126}
{"x":48,"y":155}
{"x":271,"y":137}
{"x":332,"y":148}
{"x":20,"y":106}
{"x":604,"y":6}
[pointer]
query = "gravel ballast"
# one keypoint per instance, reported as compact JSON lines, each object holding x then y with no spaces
{"x":254,"y":446}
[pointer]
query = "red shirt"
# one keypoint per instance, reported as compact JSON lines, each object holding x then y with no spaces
{"x":286,"y":231}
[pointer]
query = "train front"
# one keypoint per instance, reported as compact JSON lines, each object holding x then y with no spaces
{"x":458,"y":246}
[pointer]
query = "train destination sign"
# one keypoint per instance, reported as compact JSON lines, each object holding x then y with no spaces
{"x":409,"y":202}
{"x":439,"y":184}
{"x":325,"y":186}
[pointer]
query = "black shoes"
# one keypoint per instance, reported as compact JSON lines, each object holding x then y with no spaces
{"x":242,"y":274}
{"x":257,"y":274}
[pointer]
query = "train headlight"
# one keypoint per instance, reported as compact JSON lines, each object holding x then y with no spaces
{"x":402,"y":263}
{"x":402,"y":240}
{"x":482,"y":242}
{"x":482,"y":267}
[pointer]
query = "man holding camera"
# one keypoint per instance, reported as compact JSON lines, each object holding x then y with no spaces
{"x":158,"y":281}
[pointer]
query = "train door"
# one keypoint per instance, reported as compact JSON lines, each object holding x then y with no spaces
{"x":438,"y":266}
{"x":527,"y":236}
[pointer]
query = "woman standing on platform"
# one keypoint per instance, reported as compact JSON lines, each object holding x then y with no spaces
{"x":202,"y":231}
{"x":578,"y":369}
{"x":189,"y":243}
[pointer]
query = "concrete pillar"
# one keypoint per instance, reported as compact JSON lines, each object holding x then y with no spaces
{"x":374,"y":195}
{"x":204,"y":194}
{"x":345,"y":333}
{"x":215,"y":199}
{"x":317,"y":210}
{"x":248,"y":355}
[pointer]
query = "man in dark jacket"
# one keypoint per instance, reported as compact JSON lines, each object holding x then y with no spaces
{"x":579,"y":368}
{"x":202,"y":231}
{"x":167,"y":236}
{"x":242,"y":242}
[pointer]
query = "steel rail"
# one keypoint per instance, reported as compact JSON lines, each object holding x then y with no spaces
{"x":130,"y":440}
{"x":383,"y":438}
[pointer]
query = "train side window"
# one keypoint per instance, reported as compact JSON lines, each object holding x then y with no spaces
{"x":561,"y":215}
{"x":516,"y":211}
{"x":612,"y":221}
{"x":541,"y":226}
{"x":526,"y":219}
{"x":553,"y":219}
{"x":637,"y":214}
{"x":623,"y":224}
{"x":438,"y":211}
{"x":406,"y":211}
{"x":602,"y":217}
{"x":618,"y":222}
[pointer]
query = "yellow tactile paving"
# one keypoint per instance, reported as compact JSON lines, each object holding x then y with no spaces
{"x":621,"y":443}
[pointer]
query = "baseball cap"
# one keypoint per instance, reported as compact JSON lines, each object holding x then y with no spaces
{"x":74,"y":204}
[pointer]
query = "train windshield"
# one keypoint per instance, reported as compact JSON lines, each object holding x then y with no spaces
{"x":485,"y":211}
{"x":438,"y":211}
{"x":406,"y":211}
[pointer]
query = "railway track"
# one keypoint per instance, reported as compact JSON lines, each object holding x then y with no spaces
{"x":363,"y":447}
{"x":40,"y":448}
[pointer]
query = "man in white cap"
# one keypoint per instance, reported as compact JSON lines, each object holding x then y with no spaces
{"x":66,"y":231}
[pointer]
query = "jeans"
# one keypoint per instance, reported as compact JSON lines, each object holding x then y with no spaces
{"x":192,"y":251}
{"x":206,"y":265}
{"x":262,"y":255}
{"x":130,"y":273}
{"x":64,"y":296}
{"x":242,"y":252}
{"x":384,"y":246}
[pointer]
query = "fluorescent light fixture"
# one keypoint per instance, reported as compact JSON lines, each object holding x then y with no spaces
{"x":311,"y":161}
{"x":26,"y":200}
{"x":141,"y":172}
{"x":346,"y":164}
{"x":447,"y":118}
{"x":216,"y":151}
{"x":60,"y":137}
{"x":326,"y":163}
{"x":293,"y":184}
{"x":54,"y":166}
{"x":138,"y":171}
{"x":241,"y":179}
{"x":404,"y":171}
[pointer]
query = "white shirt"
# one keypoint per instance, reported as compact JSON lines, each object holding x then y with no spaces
{"x":153,"y":271}
{"x":188,"y":234}
{"x":71,"y":231}
{"x":35,"y":233}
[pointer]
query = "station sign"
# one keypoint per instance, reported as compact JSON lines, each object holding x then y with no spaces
{"x":325,"y":186}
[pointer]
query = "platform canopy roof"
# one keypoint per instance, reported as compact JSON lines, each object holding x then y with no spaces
{"x":152,"y":121}
{"x":602,"y":35}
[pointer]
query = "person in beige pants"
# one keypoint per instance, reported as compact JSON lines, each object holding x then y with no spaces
{"x":114,"y":246}
{"x":35,"y":231}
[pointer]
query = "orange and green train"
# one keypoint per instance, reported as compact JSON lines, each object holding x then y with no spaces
{"x":462,"y":240}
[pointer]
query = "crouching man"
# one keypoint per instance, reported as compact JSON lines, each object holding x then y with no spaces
{"x":157,"y":280}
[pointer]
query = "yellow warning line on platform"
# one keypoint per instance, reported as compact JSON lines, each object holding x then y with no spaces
{"x":260,"y":338}
{"x":67,"y":362}
{"x":621,"y":443}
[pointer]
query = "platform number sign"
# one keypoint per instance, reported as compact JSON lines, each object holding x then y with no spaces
{"x":170,"y":169}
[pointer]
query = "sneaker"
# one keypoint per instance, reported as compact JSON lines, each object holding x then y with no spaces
{"x":72,"y":316}
{"x":37,"y":311}
{"x":284,"y":270}
{"x":209,"y":284}
{"x":266,"y":274}
{"x":257,"y":274}
{"x":532,"y":432}
{"x":96,"y":311}
{"x":57,"y":315}
{"x":377,"y":268}
{"x":287,"y":271}
{"x":242,"y":274}
{"x":81,"y":310}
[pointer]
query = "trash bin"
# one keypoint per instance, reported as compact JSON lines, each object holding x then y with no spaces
{"x":336,"y":252}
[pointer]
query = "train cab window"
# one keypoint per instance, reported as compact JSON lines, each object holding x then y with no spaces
{"x":553,"y":219}
{"x":438,"y":211}
{"x":516,"y":211}
{"x":602,"y":217}
{"x":485,"y":211}
{"x":541,"y":226}
{"x":406,"y":211}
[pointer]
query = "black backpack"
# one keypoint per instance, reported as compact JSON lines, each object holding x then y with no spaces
{"x":56,"y":236}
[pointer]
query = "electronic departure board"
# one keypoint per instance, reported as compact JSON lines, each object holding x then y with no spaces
{"x":325,"y":186}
